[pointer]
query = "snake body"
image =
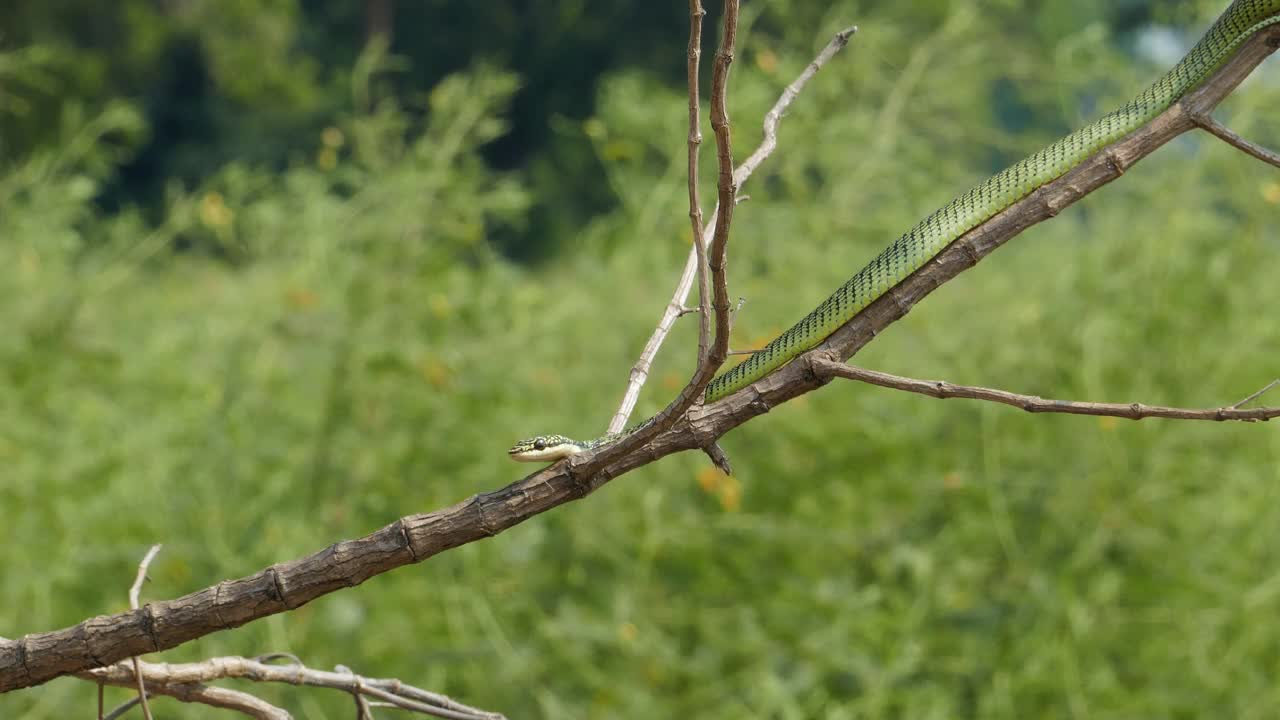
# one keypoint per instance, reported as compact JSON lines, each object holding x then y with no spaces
{"x":921,"y":243}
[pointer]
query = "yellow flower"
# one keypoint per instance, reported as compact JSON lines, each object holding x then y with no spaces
{"x":301,"y":298}
{"x":725,"y":488}
{"x":439,"y":305}
{"x":709,"y":479}
{"x":327,"y":158}
{"x":436,"y":372}
{"x":214,"y":212}
{"x":767,"y":61}
{"x":1271,"y":193}
{"x":332,"y":137}
{"x":730,"y":494}
{"x":593,"y":128}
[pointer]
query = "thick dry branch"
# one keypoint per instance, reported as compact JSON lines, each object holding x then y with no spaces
{"x":186,"y":681}
{"x":676,"y":308}
{"x":103,"y":640}
{"x":943,"y":390}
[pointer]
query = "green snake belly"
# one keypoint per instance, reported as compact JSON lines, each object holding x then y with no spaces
{"x":920,"y":244}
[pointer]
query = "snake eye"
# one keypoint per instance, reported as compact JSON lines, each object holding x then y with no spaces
{"x":539,"y":444}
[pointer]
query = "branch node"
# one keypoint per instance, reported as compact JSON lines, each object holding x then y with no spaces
{"x":485,"y":527}
{"x":408,"y":543}
{"x":277,"y":586}
{"x":1115,"y":162}
{"x":899,"y":302}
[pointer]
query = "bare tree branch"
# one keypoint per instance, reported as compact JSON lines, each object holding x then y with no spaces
{"x":676,"y":307}
{"x":792,"y":91}
{"x":728,"y":194}
{"x":222,"y":698}
{"x":695,"y":205}
{"x":943,"y":390}
{"x":186,"y":681}
{"x":363,"y":708}
{"x":39,"y":657}
{"x":189,"y":692}
{"x":1206,"y":122}
{"x":715,"y":356}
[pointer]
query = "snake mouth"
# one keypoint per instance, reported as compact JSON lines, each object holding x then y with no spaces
{"x":550,"y":453}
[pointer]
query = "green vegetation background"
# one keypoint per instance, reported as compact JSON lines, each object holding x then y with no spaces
{"x":342,"y":299}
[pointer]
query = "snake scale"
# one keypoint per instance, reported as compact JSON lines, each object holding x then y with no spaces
{"x":921,"y":243}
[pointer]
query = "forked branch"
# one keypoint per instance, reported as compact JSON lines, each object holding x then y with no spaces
{"x":676,"y":308}
{"x":188,"y":682}
{"x":39,"y":657}
{"x":709,"y":362}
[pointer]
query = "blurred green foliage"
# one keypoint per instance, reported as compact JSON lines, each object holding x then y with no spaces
{"x":311,"y":331}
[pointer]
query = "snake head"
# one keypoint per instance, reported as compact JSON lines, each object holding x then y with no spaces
{"x":544,"y":448}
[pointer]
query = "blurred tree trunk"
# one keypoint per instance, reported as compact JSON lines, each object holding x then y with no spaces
{"x":379,"y":17}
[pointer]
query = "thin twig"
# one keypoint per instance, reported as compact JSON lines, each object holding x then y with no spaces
{"x":696,"y":14}
{"x":727,"y":189}
{"x":134,"y":591}
{"x":943,"y":390}
{"x":223,"y":698}
{"x":163,"y":678}
{"x":675,"y":308}
{"x":363,"y":711}
{"x":774,"y":116}
{"x":413,"y":705}
{"x":1206,"y":122}
{"x":121,"y":709}
{"x":1257,"y":394}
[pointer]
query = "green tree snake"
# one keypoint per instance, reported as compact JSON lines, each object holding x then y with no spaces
{"x":922,"y":242}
